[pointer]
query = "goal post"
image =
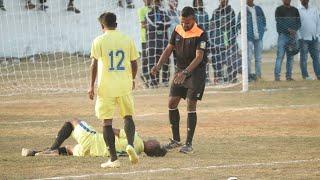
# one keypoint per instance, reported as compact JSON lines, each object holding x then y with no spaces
{"x":244,"y":46}
{"x":47,"y":52}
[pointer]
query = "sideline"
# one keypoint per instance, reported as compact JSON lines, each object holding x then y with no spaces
{"x":187,"y":169}
{"x":200,"y":111}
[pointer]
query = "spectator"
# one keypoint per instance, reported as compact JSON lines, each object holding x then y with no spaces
{"x":309,"y":34}
{"x":202,"y":16}
{"x":223,"y":43}
{"x":288,"y":23}
{"x":158,"y":23}
{"x":256,"y":26}
{"x":43,"y":7}
{"x":174,"y":14}
{"x":142,"y":13}
{"x":202,"y":19}
{"x":130,"y":4}
{"x":72,"y":8}
{"x":30,"y":5}
{"x":2,"y":6}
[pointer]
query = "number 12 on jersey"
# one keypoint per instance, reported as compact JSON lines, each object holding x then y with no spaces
{"x":116,"y":57}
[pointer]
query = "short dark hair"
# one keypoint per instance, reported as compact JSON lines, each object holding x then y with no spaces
{"x":187,"y":11}
{"x":158,"y":151}
{"x":108,"y":19}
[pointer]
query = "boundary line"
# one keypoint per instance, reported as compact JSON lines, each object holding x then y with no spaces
{"x":152,"y":92}
{"x":200,"y":111}
{"x":211,"y":90}
{"x":226,"y":166}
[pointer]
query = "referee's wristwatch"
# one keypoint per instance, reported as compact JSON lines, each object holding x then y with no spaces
{"x":186,"y":73}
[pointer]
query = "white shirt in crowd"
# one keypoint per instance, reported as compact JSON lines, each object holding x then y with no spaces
{"x":310,"y":23}
{"x":254,"y":21}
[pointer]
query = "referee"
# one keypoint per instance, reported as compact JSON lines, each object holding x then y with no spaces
{"x":190,"y":43}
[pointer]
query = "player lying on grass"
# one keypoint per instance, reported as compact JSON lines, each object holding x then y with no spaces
{"x":91,"y":143}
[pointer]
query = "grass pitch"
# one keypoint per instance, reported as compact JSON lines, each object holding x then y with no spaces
{"x":271,"y":132}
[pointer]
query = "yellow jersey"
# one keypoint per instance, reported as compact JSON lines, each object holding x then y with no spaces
{"x":91,"y":143}
{"x":114,"y":52}
{"x":98,"y":147}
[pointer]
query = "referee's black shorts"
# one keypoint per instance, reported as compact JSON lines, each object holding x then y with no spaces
{"x":193,"y":87}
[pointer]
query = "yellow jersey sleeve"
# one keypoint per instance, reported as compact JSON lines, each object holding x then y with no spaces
{"x":134,"y":55}
{"x":96,"y":49}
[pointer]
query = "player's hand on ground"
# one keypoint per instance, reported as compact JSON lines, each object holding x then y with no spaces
{"x":179,"y":78}
{"x":91,"y":93}
{"x":154,"y":70}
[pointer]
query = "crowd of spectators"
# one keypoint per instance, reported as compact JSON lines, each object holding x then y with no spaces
{"x":298,"y":32}
{"x":41,"y":5}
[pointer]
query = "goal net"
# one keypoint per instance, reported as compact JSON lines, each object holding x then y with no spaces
{"x":45,"y":49}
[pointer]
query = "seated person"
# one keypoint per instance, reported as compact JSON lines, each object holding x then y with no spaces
{"x":91,"y":143}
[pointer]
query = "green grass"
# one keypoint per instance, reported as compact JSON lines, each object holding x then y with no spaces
{"x":273,"y":122}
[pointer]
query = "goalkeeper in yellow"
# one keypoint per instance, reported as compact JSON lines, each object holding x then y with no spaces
{"x":91,"y":143}
{"x":114,"y":58}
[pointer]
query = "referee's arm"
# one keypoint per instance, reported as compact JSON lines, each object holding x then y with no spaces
{"x":196,"y":61}
{"x":180,"y":76}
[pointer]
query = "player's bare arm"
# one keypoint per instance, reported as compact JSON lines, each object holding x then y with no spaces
{"x":181,"y":76}
{"x":163,"y":58}
{"x":93,"y":67}
{"x":134,"y":68}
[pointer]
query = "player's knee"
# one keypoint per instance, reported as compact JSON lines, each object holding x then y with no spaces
{"x":128,"y":118}
{"x":173,"y":104}
{"x":128,"y":121}
{"x":191,"y":108}
{"x":69,"y":125}
{"x":192,"y":105}
{"x":74,"y":122}
{"x":107,"y":122}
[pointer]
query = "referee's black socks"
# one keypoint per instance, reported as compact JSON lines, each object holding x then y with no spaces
{"x":109,"y":139}
{"x":192,"y":122}
{"x":63,"y":134}
{"x":174,"y":118}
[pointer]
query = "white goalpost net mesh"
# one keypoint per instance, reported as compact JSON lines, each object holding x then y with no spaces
{"x":46,"y":49}
{"x":223,"y":51}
